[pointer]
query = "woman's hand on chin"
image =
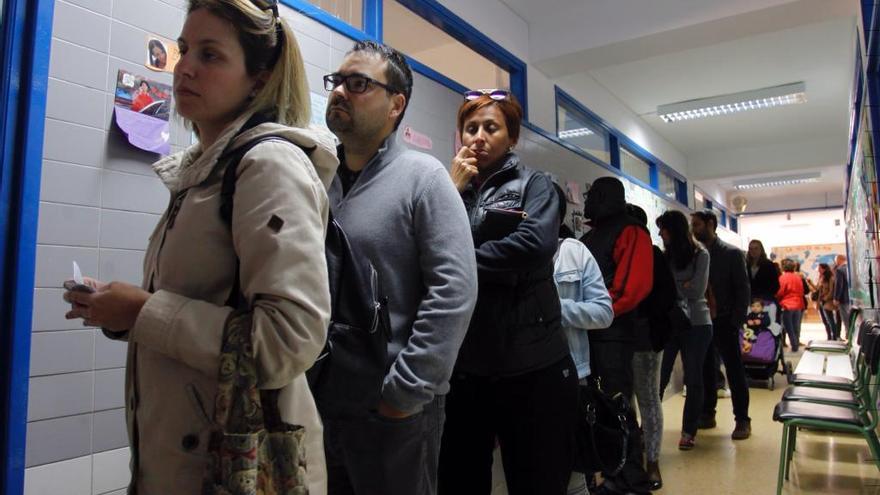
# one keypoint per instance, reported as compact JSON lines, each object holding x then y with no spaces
{"x":464,"y":168}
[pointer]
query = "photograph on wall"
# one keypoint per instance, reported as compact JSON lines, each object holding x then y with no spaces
{"x":162,"y":54}
{"x":142,"y":108}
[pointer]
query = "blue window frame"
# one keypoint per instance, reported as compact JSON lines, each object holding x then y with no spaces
{"x":443,"y":18}
{"x":574,"y":120}
{"x":25,"y":39}
{"x":734,"y":224}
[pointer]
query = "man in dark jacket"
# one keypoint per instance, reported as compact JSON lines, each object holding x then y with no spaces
{"x":729,"y":282}
{"x":623,"y":249}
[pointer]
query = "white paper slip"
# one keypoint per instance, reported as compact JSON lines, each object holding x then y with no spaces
{"x":77,"y":274}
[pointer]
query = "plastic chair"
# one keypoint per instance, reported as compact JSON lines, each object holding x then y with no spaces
{"x":841,"y":419}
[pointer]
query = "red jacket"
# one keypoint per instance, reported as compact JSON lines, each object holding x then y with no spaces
{"x":634,"y":256}
{"x":791,"y":291}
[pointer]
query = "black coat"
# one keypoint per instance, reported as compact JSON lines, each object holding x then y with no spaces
{"x":765,"y":282}
{"x":516,"y":325}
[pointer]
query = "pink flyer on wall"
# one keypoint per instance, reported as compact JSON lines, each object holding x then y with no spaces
{"x":142,"y":108}
{"x":417,"y":139}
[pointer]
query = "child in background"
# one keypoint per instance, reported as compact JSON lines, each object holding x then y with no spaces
{"x":756,"y":322}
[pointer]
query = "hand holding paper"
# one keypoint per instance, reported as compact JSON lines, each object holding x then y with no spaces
{"x":114,"y":306}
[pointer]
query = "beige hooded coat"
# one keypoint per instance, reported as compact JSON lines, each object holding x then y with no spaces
{"x":173,"y":354}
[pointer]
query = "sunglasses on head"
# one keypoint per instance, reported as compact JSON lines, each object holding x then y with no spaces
{"x":495,"y":94}
{"x":267,"y":5}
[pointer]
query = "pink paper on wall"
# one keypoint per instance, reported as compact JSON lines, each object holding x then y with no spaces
{"x":417,"y":139}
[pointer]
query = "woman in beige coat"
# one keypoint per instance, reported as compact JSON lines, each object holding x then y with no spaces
{"x":237,"y":61}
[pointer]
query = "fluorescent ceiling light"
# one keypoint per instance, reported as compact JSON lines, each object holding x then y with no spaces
{"x":573,"y":133}
{"x":787,"y":180}
{"x":787,"y":94}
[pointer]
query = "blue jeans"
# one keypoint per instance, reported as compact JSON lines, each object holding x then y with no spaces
{"x":694,"y":346}
{"x":791,"y":321}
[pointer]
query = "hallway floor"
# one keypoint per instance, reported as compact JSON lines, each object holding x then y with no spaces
{"x":823,"y":464}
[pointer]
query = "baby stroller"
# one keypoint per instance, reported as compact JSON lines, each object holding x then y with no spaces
{"x":765,"y":358}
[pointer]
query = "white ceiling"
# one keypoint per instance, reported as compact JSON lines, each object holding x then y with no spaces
{"x":650,"y":53}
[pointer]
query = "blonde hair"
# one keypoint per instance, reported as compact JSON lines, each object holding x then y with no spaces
{"x":269,"y":44}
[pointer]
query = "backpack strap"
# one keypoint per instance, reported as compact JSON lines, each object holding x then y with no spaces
{"x":227,"y":197}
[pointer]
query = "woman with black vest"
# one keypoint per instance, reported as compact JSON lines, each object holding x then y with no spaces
{"x":514,"y":380}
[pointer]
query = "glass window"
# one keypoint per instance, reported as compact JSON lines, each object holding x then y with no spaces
{"x":349,"y":11}
{"x":579,"y":129}
{"x":425,"y":42}
{"x":635,"y":166}
{"x":666,"y":184}
{"x":699,"y":201}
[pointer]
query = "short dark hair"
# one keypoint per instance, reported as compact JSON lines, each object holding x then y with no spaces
{"x":509,"y":107}
{"x":398,"y":73}
{"x":707,"y":216}
{"x":757,"y":300}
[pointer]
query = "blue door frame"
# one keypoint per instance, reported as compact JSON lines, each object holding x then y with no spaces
{"x":24,"y":55}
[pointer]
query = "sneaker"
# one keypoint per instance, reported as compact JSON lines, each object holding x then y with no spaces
{"x":723,"y":393}
{"x":742,"y":431}
{"x":686,"y":442}
{"x":706,"y":422}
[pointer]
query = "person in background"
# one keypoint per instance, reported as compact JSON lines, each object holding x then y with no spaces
{"x":729,"y":280}
{"x":622,"y":247}
{"x":240,"y":78}
{"x":585,"y":304}
{"x":653,"y":330}
{"x":824,"y":290}
{"x":763,"y":277}
{"x":515,"y":380}
{"x":400,"y":209}
{"x":840,"y":298}
{"x":791,"y":298}
{"x":689,"y":262}
{"x":158,"y":55}
{"x":141,"y":97}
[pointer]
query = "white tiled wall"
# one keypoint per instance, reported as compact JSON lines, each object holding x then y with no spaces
{"x":99,"y":203}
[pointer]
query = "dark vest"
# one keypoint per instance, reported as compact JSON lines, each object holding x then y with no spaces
{"x":600,"y":241}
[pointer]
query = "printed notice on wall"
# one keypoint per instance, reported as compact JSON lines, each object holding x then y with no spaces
{"x":417,"y":139}
{"x":162,"y":54}
{"x":142,"y":107}
{"x":319,"y":109}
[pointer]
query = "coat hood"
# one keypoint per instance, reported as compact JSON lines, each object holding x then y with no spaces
{"x":194,"y":165}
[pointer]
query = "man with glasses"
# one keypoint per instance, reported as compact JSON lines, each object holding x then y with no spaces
{"x":401,"y":210}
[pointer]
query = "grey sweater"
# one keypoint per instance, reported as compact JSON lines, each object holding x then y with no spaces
{"x":696,"y":277}
{"x":405,"y":214}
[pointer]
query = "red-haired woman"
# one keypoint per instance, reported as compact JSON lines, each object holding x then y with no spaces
{"x":514,"y":379}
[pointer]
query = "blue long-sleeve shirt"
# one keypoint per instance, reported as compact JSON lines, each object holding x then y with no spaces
{"x":585,"y":302}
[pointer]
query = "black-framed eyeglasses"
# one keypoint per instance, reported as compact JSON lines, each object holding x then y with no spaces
{"x":495,"y":94}
{"x":354,"y":83}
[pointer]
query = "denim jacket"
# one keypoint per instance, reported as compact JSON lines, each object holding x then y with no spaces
{"x":585,"y":302}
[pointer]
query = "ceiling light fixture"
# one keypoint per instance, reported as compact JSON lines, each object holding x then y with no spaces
{"x":788,"y":180}
{"x":787,"y":94}
{"x":573,"y":133}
